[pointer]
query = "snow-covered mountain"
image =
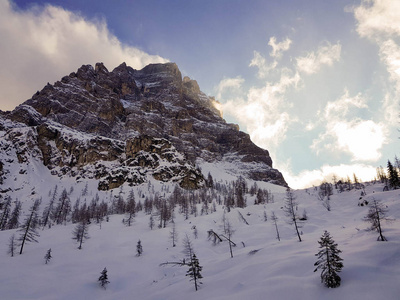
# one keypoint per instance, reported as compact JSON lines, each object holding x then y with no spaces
{"x":125,"y":126}
{"x":144,"y":155}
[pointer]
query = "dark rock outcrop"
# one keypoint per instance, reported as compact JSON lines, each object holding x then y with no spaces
{"x":123,"y":125}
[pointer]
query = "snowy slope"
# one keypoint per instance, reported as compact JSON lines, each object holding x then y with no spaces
{"x":278,"y":270}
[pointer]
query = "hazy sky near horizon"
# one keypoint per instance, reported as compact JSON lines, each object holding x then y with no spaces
{"x":315,"y":82}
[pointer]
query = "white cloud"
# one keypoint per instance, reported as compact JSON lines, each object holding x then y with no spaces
{"x":342,"y":106}
{"x":266,"y":123}
{"x":260,"y":62}
{"x":391,"y":109}
{"x":363,"y":139}
{"x":43,"y":44}
{"x":344,"y":133}
{"x":310,"y":126}
{"x":309,"y":178}
{"x":390,"y":55}
{"x":378,"y":19}
{"x":313,"y":61}
{"x":264,"y":111}
{"x":278,"y":48}
{"x":229,"y":85}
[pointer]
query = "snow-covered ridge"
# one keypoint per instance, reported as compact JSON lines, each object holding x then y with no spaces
{"x":87,"y":120}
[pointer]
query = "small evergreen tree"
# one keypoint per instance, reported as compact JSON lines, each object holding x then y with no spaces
{"x":13,"y":222}
{"x":325,"y":190}
{"x":130,"y":208}
{"x":393,"y":175}
{"x":75,"y":215}
{"x":151,"y":222}
{"x":48,"y":256}
{"x":380,"y":174}
{"x":28,"y":228}
{"x":48,"y":212}
{"x":260,"y":199}
{"x":81,"y":233}
{"x":210,"y":181}
{"x":229,"y":231}
{"x":290,"y":210}
{"x":63,"y":208}
{"x":165,"y":213}
{"x":194,"y":271}
{"x":275,"y":221}
{"x":376,"y":213}
{"x":119,"y":204}
{"x":6,"y":206}
{"x":103,"y":279}
{"x":139,"y":248}
{"x":12,"y":246}
{"x":357,"y":184}
{"x":191,"y":261}
{"x":187,"y":247}
{"x":329,"y":261}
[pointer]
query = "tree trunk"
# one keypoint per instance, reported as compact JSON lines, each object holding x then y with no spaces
{"x":80,"y":242}
{"x":277,"y":232}
{"x":379,"y":226}
{"x":28,"y":225}
{"x":297,"y":230}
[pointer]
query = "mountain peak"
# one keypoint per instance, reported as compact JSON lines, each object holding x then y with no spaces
{"x":86,"y":123}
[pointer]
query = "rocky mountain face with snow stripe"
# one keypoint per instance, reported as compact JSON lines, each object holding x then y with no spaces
{"x":125,"y":125}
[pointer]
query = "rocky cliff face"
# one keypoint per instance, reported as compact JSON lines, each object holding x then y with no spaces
{"x":125,"y":125}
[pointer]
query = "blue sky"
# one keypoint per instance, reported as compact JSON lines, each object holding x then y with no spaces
{"x":314,"y":82}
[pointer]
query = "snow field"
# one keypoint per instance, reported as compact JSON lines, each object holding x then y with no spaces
{"x":278,"y":270}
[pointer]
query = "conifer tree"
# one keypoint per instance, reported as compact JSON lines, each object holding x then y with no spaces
{"x":63,"y":208}
{"x":275,"y":221}
{"x":229,"y":231}
{"x":119,"y":204}
{"x":376,"y":213}
{"x":380,"y":173}
{"x":76,"y":211}
{"x":194,"y":271}
{"x":165,"y":213}
{"x":151,"y":222}
{"x":187,"y":247}
{"x":260,"y":199}
{"x":85,"y":190}
{"x":357,"y":184}
{"x":210,"y":181}
{"x":13,"y":222}
{"x":48,"y":211}
{"x":130,"y":208}
{"x":5,"y":214}
{"x":28,"y":228}
{"x":103,"y":279}
{"x":329,"y":261}
{"x":81,"y":233}
{"x":48,"y":256}
{"x":290,"y":210}
{"x":393,"y":175}
{"x":12,"y":245}
{"x":193,"y":263}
